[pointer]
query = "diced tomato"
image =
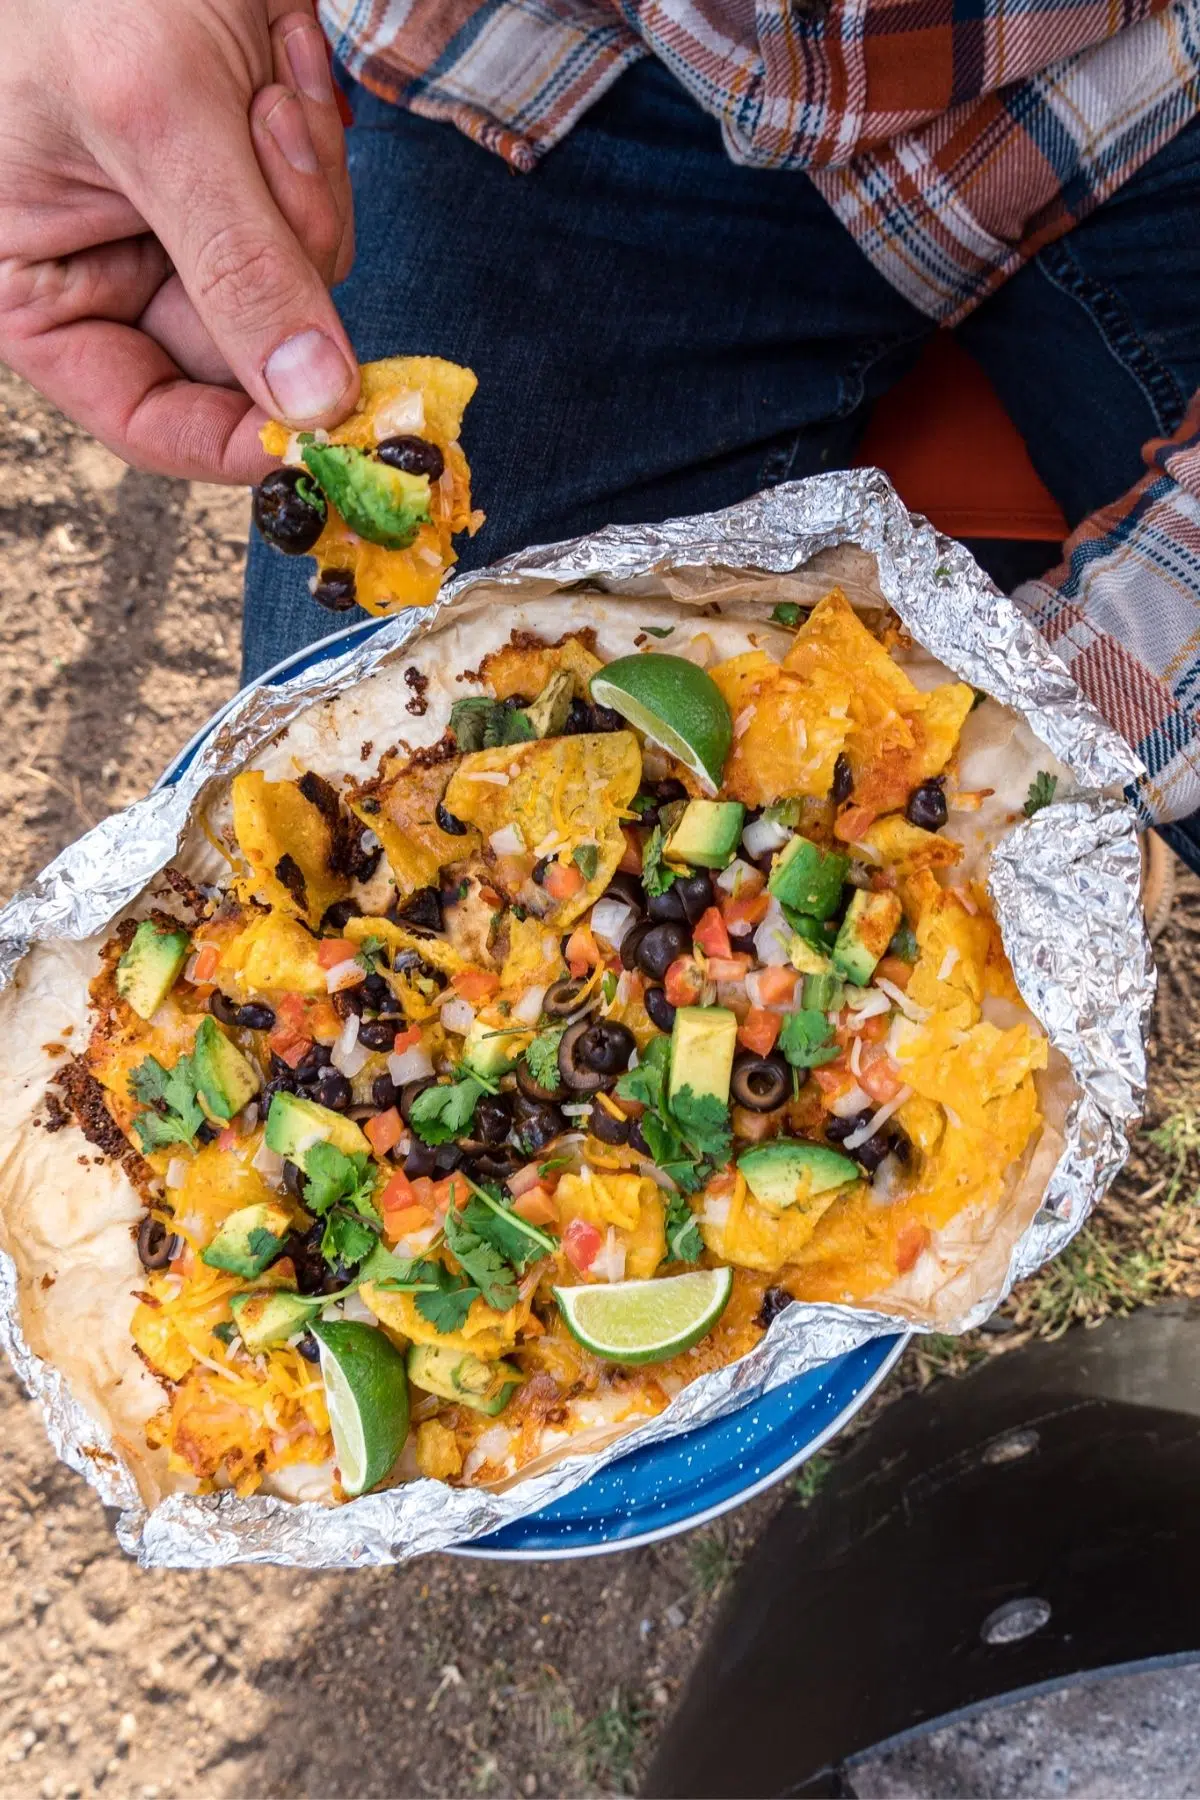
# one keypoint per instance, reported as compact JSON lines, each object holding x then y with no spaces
{"x":423,"y":1193}
{"x":583,"y":952}
{"x":631,"y":857}
{"x":684,"y":981}
{"x":581,"y":1244}
{"x":290,"y":1010}
{"x":895,"y":970}
{"x":384,"y":1130}
{"x":728,"y":968}
{"x":397,"y":1194}
{"x":406,"y":1040}
{"x":742,"y":912}
{"x":871,"y":1031}
{"x":911,"y":1239}
{"x":833,"y":1077}
{"x":561,"y":880}
{"x":205,"y":967}
{"x":721,"y":1184}
{"x":331,"y":951}
{"x":878,"y":1075}
{"x":453,"y":1191}
{"x":291,"y":1050}
{"x":537,"y":1206}
{"x":853,"y":823}
{"x":475,"y":985}
{"x":710,"y":934}
{"x":759,"y":1030}
{"x":776,"y":986}
{"x":227,"y":1139}
{"x":402,"y":1222}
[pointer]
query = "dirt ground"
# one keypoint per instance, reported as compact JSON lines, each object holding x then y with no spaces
{"x":120,"y":598}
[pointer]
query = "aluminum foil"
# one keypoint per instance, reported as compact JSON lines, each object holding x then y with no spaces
{"x":1066,"y":886}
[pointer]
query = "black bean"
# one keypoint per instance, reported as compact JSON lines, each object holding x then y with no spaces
{"x":872,"y":1153}
{"x":347,"y":1001}
{"x":339,"y":915}
{"x":313,"y":1273}
{"x":665,"y":906}
{"x":604,"y":718}
{"x":901,"y":1145}
{"x":289,"y":510}
{"x":334,"y":589}
{"x":293,"y":1179}
{"x":222,"y":1007}
{"x":446,"y":1158}
{"x":375,"y":989}
{"x":492,"y":1119}
{"x":540,"y":867}
{"x":631,"y":942}
{"x":377,"y":1034}
{"x":414,"y":455}
{"x":423,"y":908}
{"x":207,"y":1132}
{"x":695,"y":894}
{"x":384,"y":1092}
{"x":927,"y":806}
{"x":837,"y":1130}
{"x":661,"y":1012}
{"x":843,"y":779}
{"x":774,"y":1301}
{"x":659,"y":948}
{"x":315,"y":1058}
{"x":607,"y":1126}
{"x":536,"y":1124}
{"x":606,"y":1047}
{"x":578,"y":720}
{"x":448,"y":823}
{"x":254,"y":1017}
{"x":156,"y":1244}
{"x":309,"y":1348}
{"x":332,"y":1089}
{"x":277,"y":1085}
{"x":421,"y":1160}
{"x":669,"y":790}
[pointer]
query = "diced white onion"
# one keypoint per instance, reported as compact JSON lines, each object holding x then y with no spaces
{"x":176,"y":1172}
{"x":949,"y":963}
{"x":494,"y":1442}
{"x":715,"y":1212}
{"x":611,"y":920}
{"x":347,"y":1037}
{"x":348,"y":1055}
{"x":877,"y":1120}
{"x":864,"y":1004}
{"x":346,"y":974}
{"x":248,"y":1118}
{"x":551,"y":841}
{"x":730,"y":879}
{"x":495,"y":777}
{"x":358,"y":1310}
{"x":408,"y":1065}
{"x":846,"y":1105}
{"x":528,"y":1009}
{"x":609,"y":1264}
{"x":369,"y":840}
{"x":773,"y":937}
{"x":763,"y":835}
{"x":577,"y":1109}
{"x":624,"y":988}
{"x":269,"y":1165}
{"x":856,"y":1058}
{"x":401,"y":414}
{"x":908,"y":1007}
{"x":458,"y":1015}
{"x":415,"y":1243}
{"x":507,"y":841}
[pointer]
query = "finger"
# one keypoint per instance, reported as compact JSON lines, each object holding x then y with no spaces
{"x":293,"y":174}
{"x":123,"y":387}
{"x":301,"y":57}
{"x":111,"y":281}
{"x":173,"y":322}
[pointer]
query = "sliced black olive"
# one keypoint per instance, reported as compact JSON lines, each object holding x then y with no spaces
{"x":637,"y":1139}
{"x":409,"y":1092}
{"x":927,"y":806}
{"x":422,"y":909}
{"x":332,"y":1089}
{"x":627,"y":887}
{"x":631,"y":942}
{"x":842,"y":785}
{"x":606,"y":1047}
{"x":156,"y":1245}
{"x":494,"y":1165}
{"x":315,"y":1058}
{"x":334,"y":589}
{"x":665,"y":906}
{"x":339,"y":915}
{"x":760,"y":1083}
{"x":562,"y":998}
{"x":293,"y":1180}
{"x":658,"y":949}
{"x":222,"y":1007}
{"x":448,"y":823}
{"x":774,"y":1301}
{"x":605,"y":718}
{"x":578,"y":719}
{"x":536,"y":1123}
{"x":421,"y":1160}
{"x":538,"y":872}
{"x":695,"y":894}
{"x":608,"y":1127}
{"x":255,"y":1017}
{"x":384,"y":1092}
{"x":661,"y":1012}
{"x":377,"y":1034}
{"x":446,"y":1158}
{"x":583,"y":1077}
{"x":414,"y":455}
{"x":290,"y":510}
{"x":207,"y":1132}
{"x":533,"y":1090}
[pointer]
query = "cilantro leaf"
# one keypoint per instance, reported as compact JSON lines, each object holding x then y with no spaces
{"x":586,"y":857}
{"x":704,"y":1121}
{"x":658,"y":631}
{"x":346,"y":1238}
{"x":174,"y":1115}
{"x":225,"y":1332}
{"x":331,"y":1176}
{"x":444,"y":1112}
{"x":807,"y":1039}
{"x":368,"y":953}
{"x":481,"y":724}
{"x":646,"y":1082}
{"x":541,"y":1057}
{"x":787,"y":613}
{"x":492,"y":1218}
{"x":684,"y":1243}
{"x":1041,"y":792}
{"x":481,"y":1262}
{"x":642,"y":803}
{"x":656,"y":876}
{"x":685,"y":1134}
{"x":608,"y":987}
{"x":447,"y":1298}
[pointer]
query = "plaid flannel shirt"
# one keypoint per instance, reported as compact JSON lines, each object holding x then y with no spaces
{"x":952,"y":143}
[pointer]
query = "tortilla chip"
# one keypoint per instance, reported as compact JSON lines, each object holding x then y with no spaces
{"x":288,"y":843}
{"x":402,"y":812}
{"x":524,"y":667}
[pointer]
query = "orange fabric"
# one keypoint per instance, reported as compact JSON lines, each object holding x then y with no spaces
{"x":954,"y":454}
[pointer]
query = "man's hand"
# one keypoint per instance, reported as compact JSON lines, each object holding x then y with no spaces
{"x":173,"y":205}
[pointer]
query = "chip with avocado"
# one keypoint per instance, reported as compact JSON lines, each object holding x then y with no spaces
{"x":382,"y":504}
{"x":150,"y":967}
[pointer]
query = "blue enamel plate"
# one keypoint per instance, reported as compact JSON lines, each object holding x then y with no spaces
{"x":687,"y":1481}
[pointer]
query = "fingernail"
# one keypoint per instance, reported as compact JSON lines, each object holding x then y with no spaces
{"x":305,"y":47}
{"x":288,"y":126}
{"x":307,"y":376}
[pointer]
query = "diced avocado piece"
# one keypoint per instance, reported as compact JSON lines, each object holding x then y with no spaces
{"x":294,"y":1125}
{"x":813,"y":931}
{"x":268,"y":1316}
{"x":548,"y":713}
{"x":808,"y":878}
{"x":866,"y":931}
{"x":225,"y":1079}
{"x":490,"y":1051}
{"x":791,"y":1172}
{"x":806,"y":958}
{"x":487,"y":1387}
{"x":707,"y":833}
{"x":147,"y":971}
{"x":249,"y":1239}
{"x":382,"y":504}
{"x":822,"y":993}
{"x":703,"y":1040}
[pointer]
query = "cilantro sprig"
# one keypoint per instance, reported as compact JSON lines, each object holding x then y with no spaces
{"x":444,"y":1112}
{"x":482,"y":724}
{"x":173,"y":1114}
{"x":492,"y":1245}
{"x":541,"y":1057}
{"x":340,"y":1189}
{"x":657,"y":877}
{"x":807,"y":1039}
{"x":688,"y":1133}
{"x":1041,"y":792}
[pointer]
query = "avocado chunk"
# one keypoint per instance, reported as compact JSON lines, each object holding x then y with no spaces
{"x":703,"y":1040}
{"x":486,"y":1387}
{"x":147,"y":971}
{"x":249,"y":1239}
{"x":489,"y":1051}
{"x":822,"y":992}
{"x":808,"y":878}
{"x":791,"y":1172}
{"x":382,"y":504}
{"x":548,"y":713}
{"x":806,"y":959}
{"x":707,"y":833}
{"x":225,"y":1079}
{"x":865,"y":933}
{"x":295,"y":1124}
{"x":268,"y":1316}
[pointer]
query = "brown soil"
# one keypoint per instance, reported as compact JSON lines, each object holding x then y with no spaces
{"x":120,"y":594}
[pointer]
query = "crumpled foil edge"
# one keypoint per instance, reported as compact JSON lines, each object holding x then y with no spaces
{"x":1066,"y":885}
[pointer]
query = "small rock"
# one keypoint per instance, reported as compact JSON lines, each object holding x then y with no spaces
{"x":28,"y":1738}
{"x":41,"y":1598}
{"x":126,"y":1731}
{"x":675,"y":1617}
{"x":49,"y":1788}
{"x":530,"y":1784}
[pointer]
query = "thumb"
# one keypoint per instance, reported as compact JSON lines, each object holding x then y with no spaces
{"x":254,"y":288}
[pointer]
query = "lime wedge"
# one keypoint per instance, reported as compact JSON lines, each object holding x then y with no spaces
{"x":366,"y":1387}
{"x":645,"y":1321}
{"x":675,"y":704}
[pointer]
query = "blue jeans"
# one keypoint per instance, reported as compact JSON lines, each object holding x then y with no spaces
{"x":657,"y":331}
